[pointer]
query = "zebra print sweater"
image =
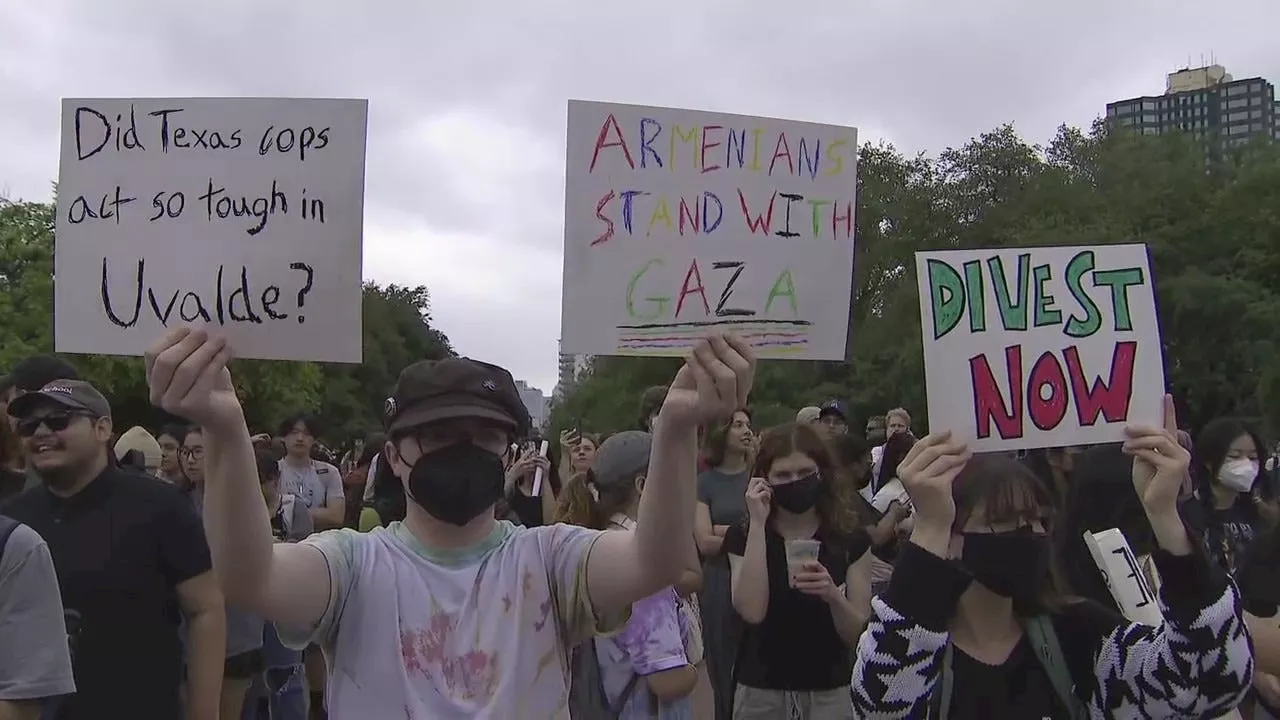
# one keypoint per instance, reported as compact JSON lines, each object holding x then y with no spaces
{"x":1198,"y":664}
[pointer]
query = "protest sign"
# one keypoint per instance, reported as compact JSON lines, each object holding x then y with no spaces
{"x":680,"y":222}
{"x":242,"y":215}
{"x":1040,"y":347}
{"x":1125,"y":577}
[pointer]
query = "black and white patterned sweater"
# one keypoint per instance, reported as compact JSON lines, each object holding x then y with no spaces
{"x":1199,"y":664}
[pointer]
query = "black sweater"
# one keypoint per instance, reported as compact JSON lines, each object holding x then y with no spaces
{"x":1198,"y":664}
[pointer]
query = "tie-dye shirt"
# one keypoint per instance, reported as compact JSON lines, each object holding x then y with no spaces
{"x":652,"y":641}
{"x":414,"y":634}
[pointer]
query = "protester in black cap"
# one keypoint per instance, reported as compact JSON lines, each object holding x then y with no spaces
{"x":128,"y":551}
{"x":451,"y":613}
{"x":832,"y":418}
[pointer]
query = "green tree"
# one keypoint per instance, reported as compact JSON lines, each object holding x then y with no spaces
{"x":1212,"y":228}
{"x":397,"y":331}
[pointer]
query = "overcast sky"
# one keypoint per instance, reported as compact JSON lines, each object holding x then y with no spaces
{"x":464,"y":185}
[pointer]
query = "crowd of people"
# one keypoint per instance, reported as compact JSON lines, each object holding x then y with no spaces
{"x":455,"y":565}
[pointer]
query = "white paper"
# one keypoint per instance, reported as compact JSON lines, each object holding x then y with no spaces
{"x":1064,"y":348}
{"x":660,"y":247}
{"x":244,"y":215}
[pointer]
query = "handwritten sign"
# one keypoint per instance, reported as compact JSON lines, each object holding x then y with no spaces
{"x":1040,"y":347}
{"x":1124,"y":576}
{"x":241,"y":215}
{"x":679,"y":221}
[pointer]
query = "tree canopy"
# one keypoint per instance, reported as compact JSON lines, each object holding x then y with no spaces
{"x":1211,"y":222}
{"x":348,"y":398}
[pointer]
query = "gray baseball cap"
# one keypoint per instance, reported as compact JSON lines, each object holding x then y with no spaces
{"x":622,"y":458}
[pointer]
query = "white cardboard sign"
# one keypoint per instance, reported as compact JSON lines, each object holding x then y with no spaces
{"x":681,"y":222}
{"x":242,"y":215}
{"x":1040,"y":346}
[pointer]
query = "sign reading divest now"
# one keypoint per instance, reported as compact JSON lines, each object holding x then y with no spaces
{"x":679,"y":222}
{"x":1040,"y":347}
{"x":237,"y":214}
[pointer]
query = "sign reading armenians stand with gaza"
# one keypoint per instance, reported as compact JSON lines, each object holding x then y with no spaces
{"x":240,"y":215}
{"x":681,"y":222}
{"x":1040,"y":347}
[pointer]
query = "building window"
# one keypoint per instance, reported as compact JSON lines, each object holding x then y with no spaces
{"x":1148,"y":105}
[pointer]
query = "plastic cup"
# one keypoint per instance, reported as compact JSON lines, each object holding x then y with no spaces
{"x":799,"y":554}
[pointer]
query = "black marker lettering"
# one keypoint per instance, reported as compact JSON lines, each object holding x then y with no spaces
{"x":786,"y":230}
{"x":721,"y":311}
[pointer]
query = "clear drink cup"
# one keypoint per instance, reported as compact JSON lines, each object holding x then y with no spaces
{"x":799,"y":554}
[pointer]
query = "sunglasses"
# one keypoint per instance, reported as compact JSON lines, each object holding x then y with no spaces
{"x":56,"y":422}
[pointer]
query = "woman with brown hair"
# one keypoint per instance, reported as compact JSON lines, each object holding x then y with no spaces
{"x":799,"y":582}
{"x":721,"y":504}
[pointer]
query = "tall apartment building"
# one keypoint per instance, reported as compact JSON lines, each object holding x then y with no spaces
{"x":571,"y":366}
{"x":1206,"y":102}
{"x":538,"y":404}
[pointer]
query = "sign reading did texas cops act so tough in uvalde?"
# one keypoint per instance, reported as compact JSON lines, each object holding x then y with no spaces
{"x":242,"y":215}
{"x":1040,"y":347}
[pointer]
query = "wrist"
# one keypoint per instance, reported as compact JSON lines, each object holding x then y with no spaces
{"x":227,"y":424}
{"x":1169,"y":532}
{"x":932,"y":537}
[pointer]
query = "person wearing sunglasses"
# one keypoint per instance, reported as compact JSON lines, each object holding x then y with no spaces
{"x":127,"y":550}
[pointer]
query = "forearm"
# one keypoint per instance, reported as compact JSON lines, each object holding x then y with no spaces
{"x":1170,"y":533}
{"x":750,"y":591}
{"x":235,"y":517}
{"x":665,"y":522}
{"x":206,"y":653}
{"x":20,"y":709}
{"x":327,"y":517}
{"x":848,"y":620}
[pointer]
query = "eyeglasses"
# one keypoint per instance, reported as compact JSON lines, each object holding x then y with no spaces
{"x":194,"y":452}
{"x":56,"y":422}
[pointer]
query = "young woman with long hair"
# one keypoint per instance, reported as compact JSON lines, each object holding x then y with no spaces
{"x":721,"y":504}
{"x":797,"y":582}
{"x":973,"y":626}
{"x":644,"y":669}
{"x":1234,"y":504}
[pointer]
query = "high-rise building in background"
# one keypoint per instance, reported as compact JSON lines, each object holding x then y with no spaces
{"x":538,"y":404}
{"x":1207,"y":103}
{"x":571,"y":367}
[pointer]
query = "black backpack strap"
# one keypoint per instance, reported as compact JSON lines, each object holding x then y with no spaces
{"x":616,"y":708}
{"x":946,"y":684}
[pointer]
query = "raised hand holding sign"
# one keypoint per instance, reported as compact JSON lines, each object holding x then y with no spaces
{"x":715,"y":380}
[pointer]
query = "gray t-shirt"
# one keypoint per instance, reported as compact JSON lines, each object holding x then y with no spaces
{"x":35,"y":660}
{"x":724,"y":495}
{"x":317,"y":484}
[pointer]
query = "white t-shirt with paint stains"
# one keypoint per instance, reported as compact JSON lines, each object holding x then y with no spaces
{"x":478,"y":633}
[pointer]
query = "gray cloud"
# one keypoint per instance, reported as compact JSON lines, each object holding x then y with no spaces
{"x":467,"y":106}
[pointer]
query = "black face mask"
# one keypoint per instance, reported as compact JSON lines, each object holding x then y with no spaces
{"x":800,"y":495}
{"x":457,"y":483}
{"x":1010,"y":564}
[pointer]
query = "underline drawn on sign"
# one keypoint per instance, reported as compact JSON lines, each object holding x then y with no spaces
{"x":772,"y":337}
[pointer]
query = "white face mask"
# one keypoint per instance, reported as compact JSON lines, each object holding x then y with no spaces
{"x":1238,"y":474}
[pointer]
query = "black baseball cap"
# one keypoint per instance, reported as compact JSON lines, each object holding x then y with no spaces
{"x":434,"y":390}
{"x":33,"y":373}
{"x":73,"y":395}
{"x":832,"y":407}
